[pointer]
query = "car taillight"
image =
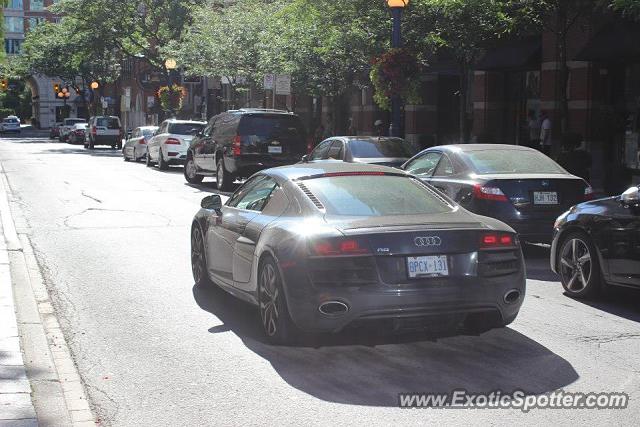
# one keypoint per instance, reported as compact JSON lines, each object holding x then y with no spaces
{"x":488,"y":193}
{"x":237,"y":145}
{"x":588,"y":193}
{"x":497,"y":240}
{"x":338,"y":247}
{"x":172,"y":141}
{"x":94,"y":130}
{"x":142,"y":141}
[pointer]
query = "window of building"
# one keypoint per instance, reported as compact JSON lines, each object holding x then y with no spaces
{"x":36,"y":5}
{"x":12,"y":46}
{"x":35,"y":21}
{"x":14,"y":4}
{"x":13,"y":24}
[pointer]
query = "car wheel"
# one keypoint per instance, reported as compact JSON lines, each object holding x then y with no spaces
{"x":147,"y":160}
{"x":190,"y":172}
{"x":126,"y":159}
{"x":91,"y":146}
{"x":579,"y":266}
{"x":224,"y":179}
{"x":162,"y":165}
{"x":198,"y":258}
{"x":274,"y":314}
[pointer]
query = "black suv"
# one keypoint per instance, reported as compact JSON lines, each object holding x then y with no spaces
{"x":238,"y":143}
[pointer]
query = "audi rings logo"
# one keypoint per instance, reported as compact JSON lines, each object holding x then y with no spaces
{"x":427,"y":241}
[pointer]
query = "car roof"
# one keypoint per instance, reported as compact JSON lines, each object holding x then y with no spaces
{"x":184,"y":121}
{"x":299,"y":170}
{"x":259,"y":110}
{"x":368,"y":138}
{"x":480,"y":147}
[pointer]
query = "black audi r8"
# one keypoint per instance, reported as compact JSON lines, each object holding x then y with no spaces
{"x":597,"y":243}
{"x":318,"y":247}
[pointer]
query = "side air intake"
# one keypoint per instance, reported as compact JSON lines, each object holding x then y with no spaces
{"x":310,"y":195}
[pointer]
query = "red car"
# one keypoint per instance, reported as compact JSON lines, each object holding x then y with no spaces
{"x":54,"y":132}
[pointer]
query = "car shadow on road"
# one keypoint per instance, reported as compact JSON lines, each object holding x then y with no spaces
{"x":79,"y":149}
{"x":210,"y":187}
{"x":621,"y":302}
{"x":364,"y":368}
{"x":537,"y":262}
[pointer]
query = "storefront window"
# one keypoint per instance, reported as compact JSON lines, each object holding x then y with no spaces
{"x":13,"y":24}
{"x":36,"y":5}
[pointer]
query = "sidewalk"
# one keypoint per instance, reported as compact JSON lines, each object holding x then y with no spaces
{"x":16,"y":407}
{"x":39,"y":381}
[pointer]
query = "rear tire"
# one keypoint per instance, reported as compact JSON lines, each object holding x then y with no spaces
{"x":579,"y":266}
{"x":274,"y":313}
{"x":190,"y":172}
{"x":91,"y":146}
{"x":162,"y":165}
{"x":224,"y":179}
{"x":147,"y":159}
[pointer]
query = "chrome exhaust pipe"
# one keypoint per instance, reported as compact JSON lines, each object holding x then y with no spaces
{"x":512,"y":296}
{"x":333,"y":308}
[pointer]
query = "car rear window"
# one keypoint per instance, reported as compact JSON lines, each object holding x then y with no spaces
{"x":108,"y":122}
{"x":71,"y":122}
{"x":393,"y":195}
{"x":511,"y":161}
{"x":148,"y":131}
{"x":271,"y":126}
{"x":383,"y":147}
{"x":10,"y":120}
{"x":184,"y":128}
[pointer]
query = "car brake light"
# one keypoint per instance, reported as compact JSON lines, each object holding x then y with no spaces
{"x":338,"y":247}
{"x":488,"y":193}
{"x":588,"y":193}
{"x":172,"y":141}
{"x":497,"y":240}
{"x":237,"y":145}
{"x":142,"y":141}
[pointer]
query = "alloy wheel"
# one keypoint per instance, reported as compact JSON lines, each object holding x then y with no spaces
{"x":198,"y":265}
{"x":190,"y":169}
{"x":219,"y":177}
{"x":576,"y":265}
{"x":269,"y":295}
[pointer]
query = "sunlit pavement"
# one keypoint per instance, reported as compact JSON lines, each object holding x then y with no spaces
{"x":112,"y":239}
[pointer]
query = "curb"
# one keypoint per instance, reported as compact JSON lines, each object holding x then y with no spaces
{"x":56,"y":388}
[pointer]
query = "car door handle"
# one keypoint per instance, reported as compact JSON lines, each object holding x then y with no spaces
{"x":245,"y":241}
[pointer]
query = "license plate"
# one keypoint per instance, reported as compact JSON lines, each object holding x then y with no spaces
{"x":422,"y":266}
{"x":545,"y":198}
{"x":275,"y":149}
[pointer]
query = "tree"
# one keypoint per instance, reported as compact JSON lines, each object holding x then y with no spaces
{"x":225,"y":42}
{"x":326,"y":46}
{"x":3,"y":4}
{"x":464,"y":29}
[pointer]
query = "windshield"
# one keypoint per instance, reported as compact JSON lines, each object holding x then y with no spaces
{"x":511,"y":161}
{"x":383,"y":147}
{"x":393,"y":195}
{"x":11,"y":120}
{"x":108,"y":122}
{"x":184,"y":128}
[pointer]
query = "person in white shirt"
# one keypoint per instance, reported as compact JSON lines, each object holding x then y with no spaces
{"x":545,"y":134}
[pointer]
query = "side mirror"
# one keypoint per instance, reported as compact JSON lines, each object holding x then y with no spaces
{"x":129,"y":134}
{"x":194,"y":132}
{"x":305,"y":158}
{"x":212,"y":203}
{"x":631,"y":197}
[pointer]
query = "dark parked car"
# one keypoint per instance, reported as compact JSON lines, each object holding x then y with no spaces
{"x":54,"y":132}
{"x":515,"y":184}
{"x":317,"y":250}
{"x":364,"y":149}
{"x":238,"y":143}
{"x":597,"y":243}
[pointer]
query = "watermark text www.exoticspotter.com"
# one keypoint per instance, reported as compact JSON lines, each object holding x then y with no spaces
{"x":558,"y":399}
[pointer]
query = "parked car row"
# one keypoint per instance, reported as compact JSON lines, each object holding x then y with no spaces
{"x":98,"y":130}
{"x":370,"y":228}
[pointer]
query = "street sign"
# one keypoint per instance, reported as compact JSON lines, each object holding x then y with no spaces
{"x":268,"y":81}
{"x":283,"y":84}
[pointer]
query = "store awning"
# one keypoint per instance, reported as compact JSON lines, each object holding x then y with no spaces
{"x":523,"y":54}
{"x":619,"y":42}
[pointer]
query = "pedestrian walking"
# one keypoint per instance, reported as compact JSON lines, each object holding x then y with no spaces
{"x":545,"y":133}
{"x":533,"y":124}
{"x":378,"y":126}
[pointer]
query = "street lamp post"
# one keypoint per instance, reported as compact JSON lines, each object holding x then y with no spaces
{"x":396,"y":7}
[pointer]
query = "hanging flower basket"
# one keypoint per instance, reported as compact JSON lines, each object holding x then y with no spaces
{"x":396,"y":73}
{"x":171,"y":97}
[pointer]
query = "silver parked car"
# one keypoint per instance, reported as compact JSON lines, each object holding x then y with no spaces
{"x":135,"y":147}
{"x":316,"y":250}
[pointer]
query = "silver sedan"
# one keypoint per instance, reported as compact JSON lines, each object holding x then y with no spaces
{"x":135,"y":148}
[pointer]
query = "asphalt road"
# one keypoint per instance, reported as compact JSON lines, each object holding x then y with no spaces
{"x":112,"y":239}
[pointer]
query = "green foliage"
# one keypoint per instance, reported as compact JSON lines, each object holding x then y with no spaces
{"x":629,"y":8}
{"x":171,"y":97}
{"x":396,"y":73}
{"x":4,"y":112}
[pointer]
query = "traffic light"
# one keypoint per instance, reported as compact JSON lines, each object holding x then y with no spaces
{"x":4,"y":84}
